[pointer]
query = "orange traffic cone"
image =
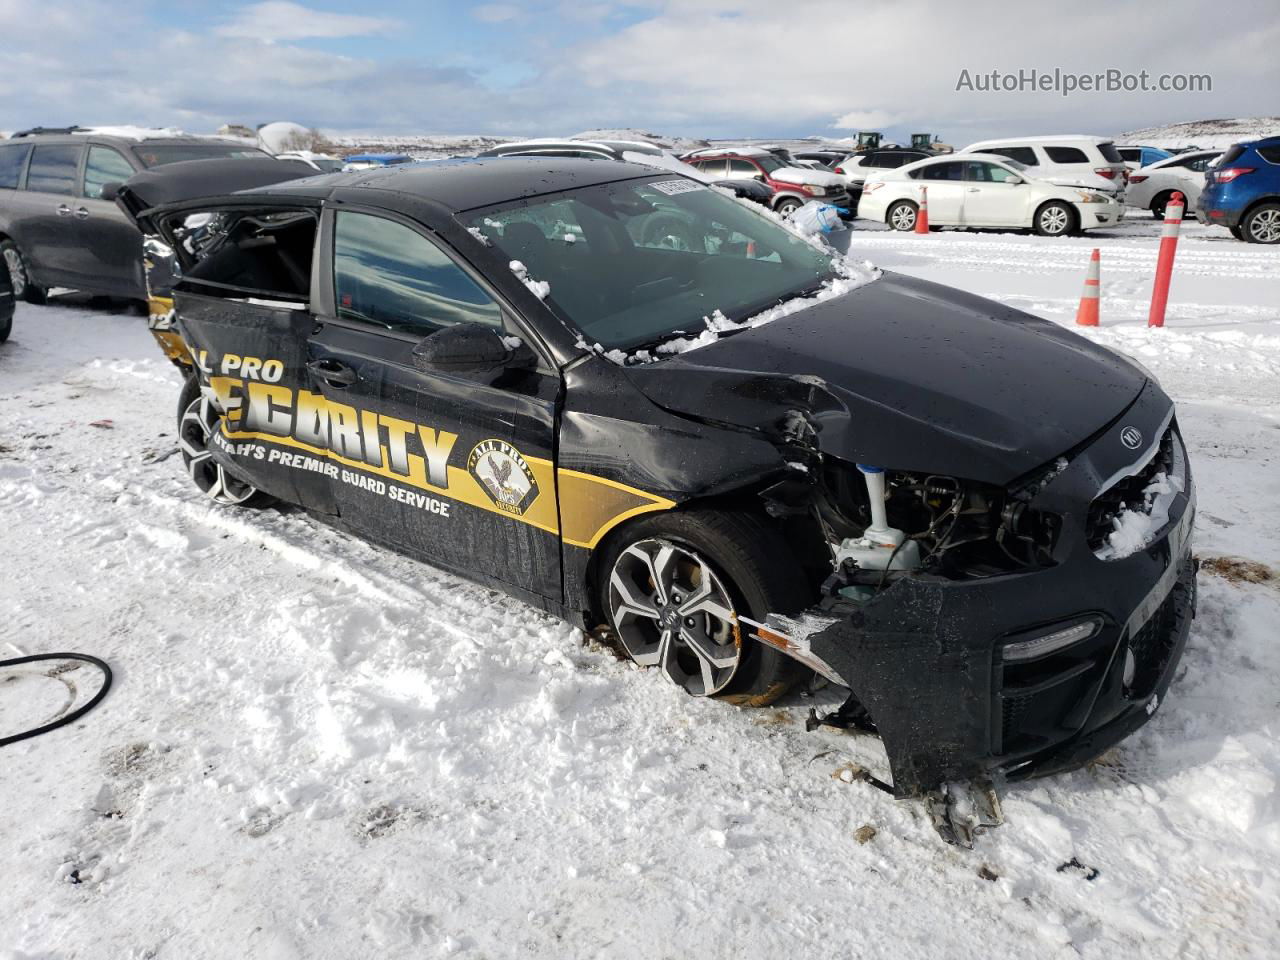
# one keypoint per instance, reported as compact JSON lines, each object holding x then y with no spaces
{"x":922,"y":215}
{"x":1087,"y":315}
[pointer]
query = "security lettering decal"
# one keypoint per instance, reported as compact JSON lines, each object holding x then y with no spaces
{"x":504,"y":475}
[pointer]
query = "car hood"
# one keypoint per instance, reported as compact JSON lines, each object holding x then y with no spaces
{"x":908,"y":375}
{"x":815,"y":178}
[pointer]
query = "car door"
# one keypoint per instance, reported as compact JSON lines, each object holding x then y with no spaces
{"x":945,"y":183}
{"x":41,"y":214}
{"x":991,"y":199}
{"x":108,"y":254}
{"x":242,"y":307}
{"x":453,"y":465}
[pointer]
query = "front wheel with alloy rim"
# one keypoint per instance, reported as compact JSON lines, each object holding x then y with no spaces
{"x":673,"y":588}
{"x":1055,"y":219}
{"x":786,"y":208}
{"x":1262,"y":225}
{"x":902,"y":215}
{"x":19,"y":275}
{"x":197,"y":419}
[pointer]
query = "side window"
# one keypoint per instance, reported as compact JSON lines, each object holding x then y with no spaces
{"x":12,"y":158}
{"x":987,"y":172}
{"x":1201,"y":164}
{"x":104,"y":166}
{"x":387,"y":275}
{"x":53,"y":168}
{"x":742,"y":169}
{"x":712,"y":168}
{"x":1024,"y":155}
{"x":1131,"y":154}
{"x":1270,"y":154}
{"x":1065,"y":155}
{"x":942,"y":171}
{"x":893,"y":160}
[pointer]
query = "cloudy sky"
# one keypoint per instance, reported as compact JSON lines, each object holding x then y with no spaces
{"x":692,"y":67}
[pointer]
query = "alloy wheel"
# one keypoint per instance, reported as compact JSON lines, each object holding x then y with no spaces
{"x":903,"y":218}
{"x":671,"y":610}
{"x":1265,"y":226}
{"x":196,"y":427}
{"x":17,"y":272}
{"x":1054,"y":220}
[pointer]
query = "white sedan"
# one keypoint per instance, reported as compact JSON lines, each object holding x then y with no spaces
{"x":1151,"y":187}
{"x":983,"y":190}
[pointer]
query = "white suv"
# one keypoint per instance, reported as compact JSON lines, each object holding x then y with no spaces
{"x":1071,"y":160}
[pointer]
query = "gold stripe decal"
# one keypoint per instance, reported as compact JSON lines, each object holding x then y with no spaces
{"x":591,"y":506}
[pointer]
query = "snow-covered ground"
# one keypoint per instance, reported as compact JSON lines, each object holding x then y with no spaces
{"x":319,"y":749}
{"x":1205,"y":134}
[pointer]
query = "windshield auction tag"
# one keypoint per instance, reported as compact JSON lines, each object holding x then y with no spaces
{"x":672,"y":187}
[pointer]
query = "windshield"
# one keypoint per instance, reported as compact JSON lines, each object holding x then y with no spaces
{"x":769,"y":163}
{"x":158,"y":154}
{"x":1013,"y":164}
{"x":635,"y":263}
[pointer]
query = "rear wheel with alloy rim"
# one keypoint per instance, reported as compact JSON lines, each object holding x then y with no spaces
{"x":1262,"y":225}
{"x":19,"y":275}
{"x":674,"y":587}
{"x":1055,"y":219}
{"x":902,"y":215}
{"x":197,"y":419}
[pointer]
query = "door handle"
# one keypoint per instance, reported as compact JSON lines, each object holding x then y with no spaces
{"x":333,"y":372}
{"x":82,"y":213}
{"x":63,"y":210}
{"x":974,"y":189}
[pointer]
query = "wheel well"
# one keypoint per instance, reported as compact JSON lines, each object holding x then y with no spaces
{"x":802,"y":534}
{"x":1256,"y":204}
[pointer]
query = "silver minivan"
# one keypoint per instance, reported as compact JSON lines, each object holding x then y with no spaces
{"x":56,"y":230}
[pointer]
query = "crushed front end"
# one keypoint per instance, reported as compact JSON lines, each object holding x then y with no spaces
{"x":1033,"y":627}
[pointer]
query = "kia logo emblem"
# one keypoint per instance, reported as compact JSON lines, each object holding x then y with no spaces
{"x":1131,"y":437}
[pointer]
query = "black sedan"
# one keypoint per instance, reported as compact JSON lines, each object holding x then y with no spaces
{"x":741,"y":456}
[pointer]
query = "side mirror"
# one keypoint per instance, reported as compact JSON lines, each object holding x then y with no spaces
{"x":1014,"y":180}
{"x":471,"y":347}
{"x":110,"y":191}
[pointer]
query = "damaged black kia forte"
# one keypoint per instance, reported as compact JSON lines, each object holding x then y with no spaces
{"x":631,"y":400}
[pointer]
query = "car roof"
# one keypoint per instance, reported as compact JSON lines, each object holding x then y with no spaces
{"x":468,"y":182}
{"x":1055,"y":138}
{"x":710,"y":153}
{"x":85,"y":136}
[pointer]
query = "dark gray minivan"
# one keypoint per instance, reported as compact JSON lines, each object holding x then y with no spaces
{"x":55,"y":228}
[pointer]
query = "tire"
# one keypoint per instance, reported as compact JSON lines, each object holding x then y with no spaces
{"x":714,"y":556}
{"x":6,"y":327}
{"x":902,"y":216}
{"x":1057,"y":218}
{"x":196,"y":418}
{"x":1237,"y":232}
{"x":1262,"y":224}
{"x":787,"y":207}
{"x":1159,"y":202}
{"x":19,"y":275}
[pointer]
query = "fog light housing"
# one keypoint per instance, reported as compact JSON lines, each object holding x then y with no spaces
{"x":1051,"y":641}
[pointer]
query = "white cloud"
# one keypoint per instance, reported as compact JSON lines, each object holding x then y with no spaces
{"x":862,"y":119}
{"x":282,"y":20}
{"x":496,"y":12}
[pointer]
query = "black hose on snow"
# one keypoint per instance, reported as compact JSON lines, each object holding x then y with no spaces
{"x":74,"y":715}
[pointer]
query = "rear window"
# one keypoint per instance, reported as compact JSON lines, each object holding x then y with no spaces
{"x":158,"y":154}
{"x":12,"y":157}
{"x":1270,"y":154}
{"x":1024,"y":155}
{"x":53,"y":168}
{"x":1067,"y":155}
{"x":1231,"y":156}
{"x":1112,"y":155}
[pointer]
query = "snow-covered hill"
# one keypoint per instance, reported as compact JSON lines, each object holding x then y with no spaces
{"x":1206,"y":134}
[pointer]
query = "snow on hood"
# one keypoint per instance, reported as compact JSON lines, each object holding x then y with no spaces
{"x":814,"y":178}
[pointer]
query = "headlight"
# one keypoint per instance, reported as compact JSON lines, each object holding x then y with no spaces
{"x":1043,"y":644}
{"x":1093,"y":198}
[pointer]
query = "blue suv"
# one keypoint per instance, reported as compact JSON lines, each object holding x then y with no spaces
{"x":1242,"y":191}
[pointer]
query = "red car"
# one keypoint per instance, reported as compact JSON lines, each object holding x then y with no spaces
{"x":792,"y":187}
